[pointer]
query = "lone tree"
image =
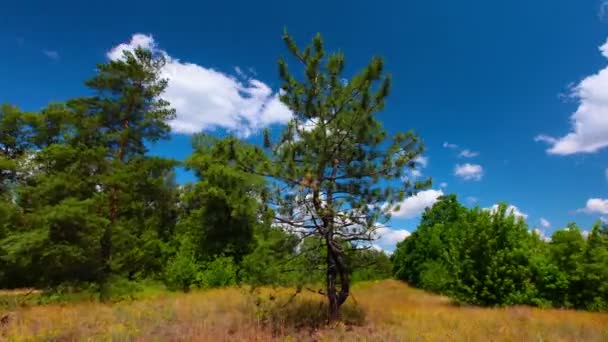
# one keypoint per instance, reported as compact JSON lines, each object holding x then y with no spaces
{"x":336,"y":174}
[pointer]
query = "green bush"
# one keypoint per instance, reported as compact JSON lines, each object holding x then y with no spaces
{"x":182,"y":271}
{"x":218,"y":273}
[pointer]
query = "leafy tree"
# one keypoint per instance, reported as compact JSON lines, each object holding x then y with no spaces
{"x":222,"y":209}
{"x":476,"y":256}
{"x":567,"y":248}
{"x":594,"y":290}
{"x":16,"y":141}
{"x":274,"y":260}
{"x":436,"y":240}
{"x":335,"y":172}
{"x":370,"y":264}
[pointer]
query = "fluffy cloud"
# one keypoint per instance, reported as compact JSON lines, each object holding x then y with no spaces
{"x":469,"y":171}
{"x":590,"y":121}
{"x":387,"y":239}
{"x":544,"y":223}
{"x":596,"y":206}
{"x":137,"y":40}
{"x":443,"y":185}
{"x":511,"y":210}
{"x":205,"y":98}
{"x":468,"y":153}
{"x":415,"y":205}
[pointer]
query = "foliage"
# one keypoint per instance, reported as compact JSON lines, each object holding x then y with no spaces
{"x":182,"y":270}
{"x":221,"y":210}
{"x":490,"y":258}
{"x":218,"y":273}
{"x":85,"y":202}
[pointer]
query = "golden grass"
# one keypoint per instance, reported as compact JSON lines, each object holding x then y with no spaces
{"x":394,"y":312}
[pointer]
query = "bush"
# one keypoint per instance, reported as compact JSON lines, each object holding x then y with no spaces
{"x":218,"y":273}
{"x":182,"y":271}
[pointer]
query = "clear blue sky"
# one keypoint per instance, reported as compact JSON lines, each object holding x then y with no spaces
{"x":488,"y":76}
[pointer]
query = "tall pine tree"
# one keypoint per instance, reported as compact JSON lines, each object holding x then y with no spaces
{"x":335,"y":171}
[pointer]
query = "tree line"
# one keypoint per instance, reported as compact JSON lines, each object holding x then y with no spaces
{"x":490,"y":257}
{"x":83,"y":204}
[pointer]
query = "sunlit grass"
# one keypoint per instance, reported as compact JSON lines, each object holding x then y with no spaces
{"x":393,"y":312}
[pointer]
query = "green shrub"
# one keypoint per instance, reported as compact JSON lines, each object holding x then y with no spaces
{"x":218,"y":273}
{"x":183,"y":270}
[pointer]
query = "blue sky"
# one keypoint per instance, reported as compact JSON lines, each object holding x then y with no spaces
{"x":522,"y":84}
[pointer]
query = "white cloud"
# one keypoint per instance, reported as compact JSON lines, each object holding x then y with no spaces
{"x":387,"y":238}
{"x":137,"y":40}
{"x":450,"y":146}
{"x":54,"y":55}
{"x":469,"y":171}
{"x":590,"y":121}
{"x":468,"y":153}
{"x":443,"y":185}
{"x":205,"y":98}
{"x":511,"y":210}
{"x":544,"y":223}
{"x":596,"y":206}
{"x":415,"y":205}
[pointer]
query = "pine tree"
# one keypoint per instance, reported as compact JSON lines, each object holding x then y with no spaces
{"x":126,"y":113}
{"x":94,"y":204}
{"x":335,"y":172}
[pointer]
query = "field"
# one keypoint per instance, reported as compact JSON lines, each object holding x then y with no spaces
{"x":393,"y":312}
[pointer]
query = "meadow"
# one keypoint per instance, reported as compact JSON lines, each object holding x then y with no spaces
{"x":385,"y":310}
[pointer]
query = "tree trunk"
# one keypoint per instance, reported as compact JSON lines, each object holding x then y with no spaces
{"x":333,"y":313}
{"x":336,"y":268}
{"x":106,"y":256}
{"x":106,"y":240}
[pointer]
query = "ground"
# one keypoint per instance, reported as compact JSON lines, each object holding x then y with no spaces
{"x":393,"y":312}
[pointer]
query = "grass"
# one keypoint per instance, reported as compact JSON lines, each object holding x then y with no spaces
{"x":393,"y":312}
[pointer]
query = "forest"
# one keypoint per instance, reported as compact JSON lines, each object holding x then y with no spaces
{"x":84,"y":207}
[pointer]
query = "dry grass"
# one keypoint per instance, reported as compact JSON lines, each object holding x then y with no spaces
{"x":394,"y":312}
